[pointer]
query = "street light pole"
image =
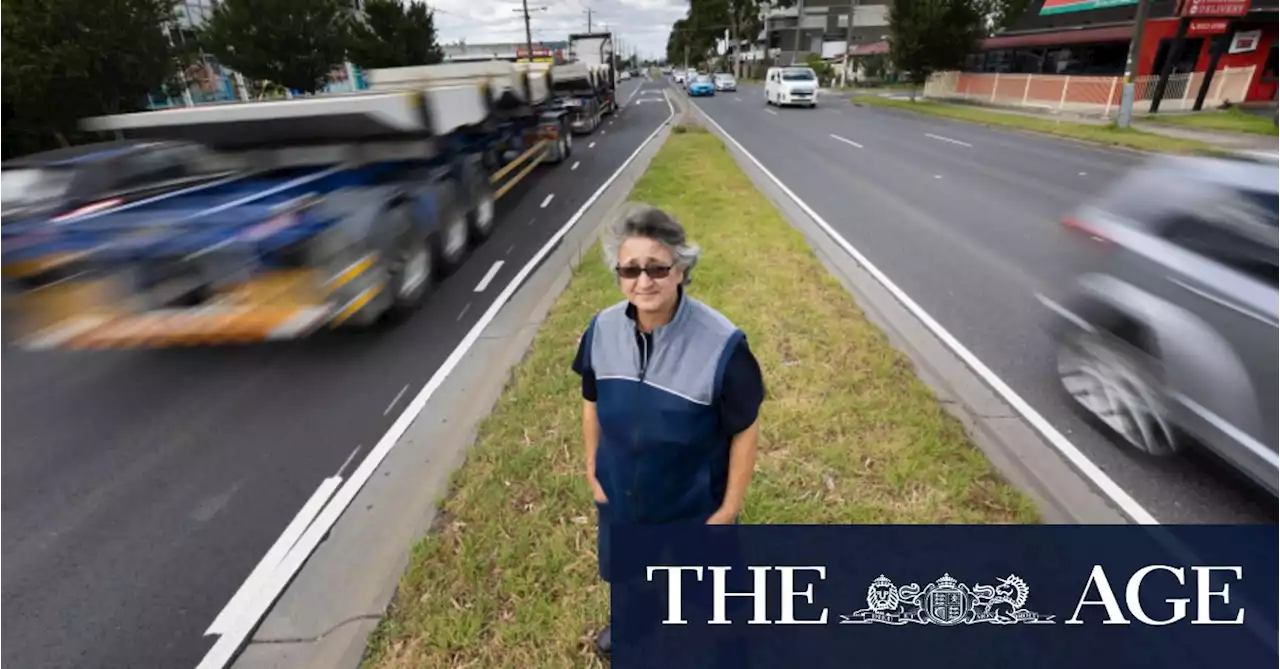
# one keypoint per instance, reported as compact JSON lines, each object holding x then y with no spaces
{"x":1131,"y":65}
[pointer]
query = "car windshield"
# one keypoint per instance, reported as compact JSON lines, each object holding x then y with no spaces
{"x":702,"y":79}
{"x":25,"y":186}
{"x":724,"y":77}
{"x":798,"y":75}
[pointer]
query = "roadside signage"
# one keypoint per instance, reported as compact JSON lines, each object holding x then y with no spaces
{"x":1207,"y":27}
{"x":1064,"y":6}
{"x":1215,"y":8}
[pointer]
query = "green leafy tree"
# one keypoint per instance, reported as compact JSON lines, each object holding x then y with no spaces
{"x":927,"y":36}
{"x":64,"y":60}
{"x":293,"y":43}
{"x":395,"y":34}
{"x":1005,"y":13}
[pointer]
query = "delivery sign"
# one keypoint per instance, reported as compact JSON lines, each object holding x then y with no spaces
{"x":1065,"y":6}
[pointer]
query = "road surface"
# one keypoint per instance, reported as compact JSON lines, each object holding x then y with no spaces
{"x":140,"y":488}
{"x":966,"y":220}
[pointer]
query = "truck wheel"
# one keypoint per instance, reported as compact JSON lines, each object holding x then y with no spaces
{"x":454,"y":239}
{"x":483,"y":214}
{"x":412,"y":276}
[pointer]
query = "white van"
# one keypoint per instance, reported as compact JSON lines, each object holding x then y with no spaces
{"x":797,"y":85}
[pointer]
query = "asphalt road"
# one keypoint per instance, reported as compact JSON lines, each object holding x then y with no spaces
{"x":140,"y":488}
{"x":966,"y":220}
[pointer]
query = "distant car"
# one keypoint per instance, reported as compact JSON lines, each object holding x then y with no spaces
{"x":725,"y":82}
{"x":678,"y":77}
{"x":92,"y":177}
{"x":624,"y":75}
{"x":702,"y":85}
{"x":791,"y":86}
{"x":1170,"y":339}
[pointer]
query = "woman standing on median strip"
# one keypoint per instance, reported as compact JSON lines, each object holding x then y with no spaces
{"x":671,"y":392}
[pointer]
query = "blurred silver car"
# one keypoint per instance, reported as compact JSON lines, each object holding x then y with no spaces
{"x":1171,"y":338}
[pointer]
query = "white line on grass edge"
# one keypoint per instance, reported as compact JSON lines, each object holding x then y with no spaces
{"x":238,"y":625}
{"x":1082,"y":463}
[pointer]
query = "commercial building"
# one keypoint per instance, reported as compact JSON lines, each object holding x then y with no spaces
{"x":1091,"y":39}
{"x":821,"y":28}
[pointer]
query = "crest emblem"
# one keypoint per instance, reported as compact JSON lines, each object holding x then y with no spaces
{"x":947,"y":602}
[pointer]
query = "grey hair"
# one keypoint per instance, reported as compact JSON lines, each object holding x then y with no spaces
{"x":642,"y":220}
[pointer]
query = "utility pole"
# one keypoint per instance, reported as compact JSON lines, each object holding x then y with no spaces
{"x":848,"y":42}
{"x":799,"y":31}
{"x":1131,"y":65}
{"x":528,"y":31}
{"x":588,"y":19}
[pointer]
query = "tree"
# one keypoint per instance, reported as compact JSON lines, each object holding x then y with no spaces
{"x":927,"y":36}
{"x":67,"y":59}
{"x":393,"y":34}
{"x":293,"y":43}
{"x":1004,"y":13}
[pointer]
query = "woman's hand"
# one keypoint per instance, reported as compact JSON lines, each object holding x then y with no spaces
{"x":597,"y":492}
{"x":722,"y":516}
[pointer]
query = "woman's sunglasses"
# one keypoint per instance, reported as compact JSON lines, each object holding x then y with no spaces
{"x":633,"y":272}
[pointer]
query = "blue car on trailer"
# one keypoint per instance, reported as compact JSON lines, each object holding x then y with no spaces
{"x":702,"y":85}
{"x":335,"y":210}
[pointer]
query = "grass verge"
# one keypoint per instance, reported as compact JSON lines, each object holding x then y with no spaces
{"x":1099,"y":134}
{"x":1231,"y":120}
{"x":849,"y":435}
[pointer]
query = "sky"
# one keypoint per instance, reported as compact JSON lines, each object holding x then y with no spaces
{"x":642,"y":24}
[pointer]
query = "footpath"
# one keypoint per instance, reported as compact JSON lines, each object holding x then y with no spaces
{"x":1172,"y":133}
{"x":507,"y":576}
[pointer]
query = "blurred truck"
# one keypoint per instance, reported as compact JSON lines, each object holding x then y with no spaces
{"x":334,"y":210}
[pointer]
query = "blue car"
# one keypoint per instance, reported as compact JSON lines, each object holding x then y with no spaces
{"x":702,"y":85}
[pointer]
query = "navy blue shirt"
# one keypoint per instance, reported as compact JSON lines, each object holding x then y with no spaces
{"x":742,"y":391}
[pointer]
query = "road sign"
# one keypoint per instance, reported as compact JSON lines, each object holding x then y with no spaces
{"x":1214,"y":8}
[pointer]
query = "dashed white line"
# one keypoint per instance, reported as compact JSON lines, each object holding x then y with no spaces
{"x":356,"y":450}
{"x":772,"y":112}
{"x":575,"y":165}
{"x":463,"y":312}
{"x":547,"y":200}
{"x":937,"y":176}
{"x":940,"y":138}
{"x":510,"y":249}
{"x":850,"y":142}
{"x":493,"y":271}
{"x":591,"y":145}
{"x":737,"y":98}
{"x":393,"y":403}
{"x":1082,"y":174}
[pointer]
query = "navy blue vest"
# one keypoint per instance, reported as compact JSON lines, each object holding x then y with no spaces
{"x":662,"y":456}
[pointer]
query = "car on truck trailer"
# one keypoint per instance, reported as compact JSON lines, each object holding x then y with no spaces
{"x":338,"y":210}
{"x":596,"y":51}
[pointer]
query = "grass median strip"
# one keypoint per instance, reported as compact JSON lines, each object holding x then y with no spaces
{"x":1232,"y":120}
{"x":1099,"y":134}
{"x":849,"y":435}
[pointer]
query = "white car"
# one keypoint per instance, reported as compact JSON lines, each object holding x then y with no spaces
{"x":624,"y":75}
{"x":791,"y":86}
{"x":678,"y":77}
{"x":725,"y":82}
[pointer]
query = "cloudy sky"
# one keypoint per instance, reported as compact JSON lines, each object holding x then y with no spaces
{"x":643,"y":24}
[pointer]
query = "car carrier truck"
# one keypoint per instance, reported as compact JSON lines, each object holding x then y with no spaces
{"x":337,"y":211}
{"x":594,"y":53}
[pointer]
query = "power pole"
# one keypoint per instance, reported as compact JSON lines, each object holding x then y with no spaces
{"x":588,"y":19}
{"x":528,"y":31}
{"x":1131,"y":65}
{"x":799,"y":31}
{"x":848,"y":42}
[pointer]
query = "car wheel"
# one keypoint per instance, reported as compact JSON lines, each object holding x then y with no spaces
{"x":1117,"y":386}
{"x":482,"y":217}
{"x":412,"y":276}
{"x":455,"y":239}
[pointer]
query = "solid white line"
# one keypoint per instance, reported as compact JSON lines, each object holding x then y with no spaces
{"x":248,"y":616}
{"x":395,"y":399}
{"x":488,"y":276}
{"x":575,"y":165}
{"x":1082,"y":463}
{"x":947,"y":139}
{"x":772,"y":112}
{"x":274,"y":555}
{"x":547,"y":200}
{"x":850,"y":142}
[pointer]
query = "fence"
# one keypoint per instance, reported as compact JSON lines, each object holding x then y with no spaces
{"x":1087,"y":95}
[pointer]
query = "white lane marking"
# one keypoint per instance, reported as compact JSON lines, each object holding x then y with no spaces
{"x":488,"y":276}
{"x":249,"y":589}
{"x":1082,"y":463}
{"x":510,"y":249}
{"x":772,"y":112}
{"x":937,"y":176}
{"x":603,"y":132}
{"x":592,"y":145}
{"x":547,"y":200}
{"x":940,"y":138}
{"x":463,"y":312}
{"x":532,"y":221}
{"x":244,"y":617}
{"x":350,"y":457}
{"x":1082,"y":174}
{"x":395,"y":400}
{"x":575,"y":165}
{"x":850,"y":142}
{"x":737,"y":98}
